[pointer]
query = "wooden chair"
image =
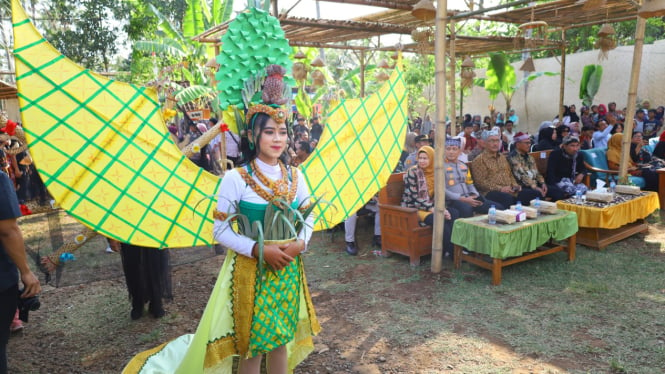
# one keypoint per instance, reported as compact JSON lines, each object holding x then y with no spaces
{"x":595,"y":160}
{"x":541,"y":158}
{"x":400,"y":229}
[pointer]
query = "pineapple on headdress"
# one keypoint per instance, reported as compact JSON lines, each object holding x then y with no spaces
{"x":273,"y":87}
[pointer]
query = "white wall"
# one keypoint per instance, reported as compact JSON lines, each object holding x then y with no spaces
{"x":539,"y":100}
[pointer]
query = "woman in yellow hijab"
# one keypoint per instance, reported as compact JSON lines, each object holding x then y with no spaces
{"x":419,"y":194}
{"x":614,"y":158}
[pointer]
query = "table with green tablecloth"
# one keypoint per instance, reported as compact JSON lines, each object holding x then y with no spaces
{"x":496,"y":246}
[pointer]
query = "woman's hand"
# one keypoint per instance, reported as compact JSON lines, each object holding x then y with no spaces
{"x":273,"y":256}
{"x":293,"y":249}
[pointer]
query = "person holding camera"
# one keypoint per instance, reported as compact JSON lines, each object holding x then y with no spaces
{"x":13,"y":260}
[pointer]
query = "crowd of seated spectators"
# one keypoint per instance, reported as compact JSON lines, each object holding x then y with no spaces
{"x":487,"y":162}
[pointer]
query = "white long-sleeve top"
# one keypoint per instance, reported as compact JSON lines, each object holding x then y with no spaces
{"x":233,"y":188}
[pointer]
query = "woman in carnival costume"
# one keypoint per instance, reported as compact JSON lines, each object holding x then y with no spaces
{"x":260,"y":305}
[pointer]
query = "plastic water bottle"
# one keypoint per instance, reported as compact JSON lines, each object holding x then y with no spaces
{"x":536,"y":206}
{"x":491,"y":215}
{"x":613,"y":186}
{"x":518,"y":206}
{"x":578,"y":197}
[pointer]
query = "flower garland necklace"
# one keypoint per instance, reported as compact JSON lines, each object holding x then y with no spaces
{"x":280,"y":188}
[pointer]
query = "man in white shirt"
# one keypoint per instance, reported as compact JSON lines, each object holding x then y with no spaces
{"x":602,"y":135}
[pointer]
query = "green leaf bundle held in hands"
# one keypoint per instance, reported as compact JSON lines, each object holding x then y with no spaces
{"x":282,"y":221}
{"x":590,"y":83}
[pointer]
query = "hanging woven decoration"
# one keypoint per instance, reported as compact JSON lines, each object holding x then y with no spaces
{"x":424,"y":38}
{"x":299,"y":71}
{"x":318,"y":79}
{"x":467,"y":72}
{"x":299,"y":55}
{"x":318,"y":62}
{"x":606,"y":41}
{"x":424,"y":10}
{"x":528,"y":65}
{"x":383,"y":64}
{"x":382,"y":76}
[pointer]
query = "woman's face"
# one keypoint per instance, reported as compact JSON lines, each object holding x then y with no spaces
{"x":637,"y":138}
{"x":272,"y":141}
{"x":423,"y":160}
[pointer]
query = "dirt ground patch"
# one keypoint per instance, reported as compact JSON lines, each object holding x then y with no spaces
{"x":378,"y":316}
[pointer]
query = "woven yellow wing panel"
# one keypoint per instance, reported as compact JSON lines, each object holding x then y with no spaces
{"x":358,"y":150}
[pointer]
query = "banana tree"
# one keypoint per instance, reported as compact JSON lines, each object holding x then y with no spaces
{"x":186,"y":59}
{"x":501,"y":79}
{"x":590,"y":83}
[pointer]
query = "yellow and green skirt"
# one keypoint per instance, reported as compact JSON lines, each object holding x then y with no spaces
{"x":246,"y":316}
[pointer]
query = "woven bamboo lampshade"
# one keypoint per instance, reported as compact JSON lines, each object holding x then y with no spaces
{"x":424,"y":10}
{"x":382,"y":76}
{"x":468,"y":63}
{"x":606,"y":30}
{"x":528,"y":65}
{"x":318,"y":62}
{"x":652,"y":8}
{"x":318,"y":79}
{"x":299,"y":55}
{"x":606,"y":41}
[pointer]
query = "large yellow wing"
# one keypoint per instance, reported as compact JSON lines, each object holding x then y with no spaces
{"x":103,"y":151}
{"x":358,"y":150}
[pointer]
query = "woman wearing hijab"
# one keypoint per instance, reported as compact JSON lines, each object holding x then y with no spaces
{"x":419,"y":194}
{"x":614,"y":158}
{"x":546,"y":139}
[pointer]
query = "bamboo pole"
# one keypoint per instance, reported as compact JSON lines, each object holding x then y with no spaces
{"x":562,"y":79}
{"x":362,"y":73}
{"x":440,"y":134}
{"x":453,"y":66}
{"x":632,"y":95}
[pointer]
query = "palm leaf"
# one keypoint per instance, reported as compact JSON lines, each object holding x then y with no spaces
{"x":165,"y":25}
{"x":192,"y":93}
{"x":162,"y":47}
{"x":192,"y":22}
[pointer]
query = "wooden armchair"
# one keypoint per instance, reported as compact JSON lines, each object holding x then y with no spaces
{"x":595,"y":160}
{"x":400,"y":229}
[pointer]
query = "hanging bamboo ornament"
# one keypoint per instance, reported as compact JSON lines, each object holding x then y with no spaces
{"x":299,"y":71}
{"x":528,"y":65}
{"x":606,"y":41}
{"x":424,"y":10}
{"x":299,"y":55}
{"x":382,"y":76}
{"x":383,"y":64}
{"x":318,"y":62}
{"x":467,"y":75}
{"x":468,"y":63}
{"x":318,"y":79}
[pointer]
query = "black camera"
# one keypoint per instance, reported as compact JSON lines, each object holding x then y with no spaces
{"x":26,"y":305}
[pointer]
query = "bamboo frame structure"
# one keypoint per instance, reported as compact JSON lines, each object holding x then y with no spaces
{"x":440,"y":135}
{"x":632,"y":96}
